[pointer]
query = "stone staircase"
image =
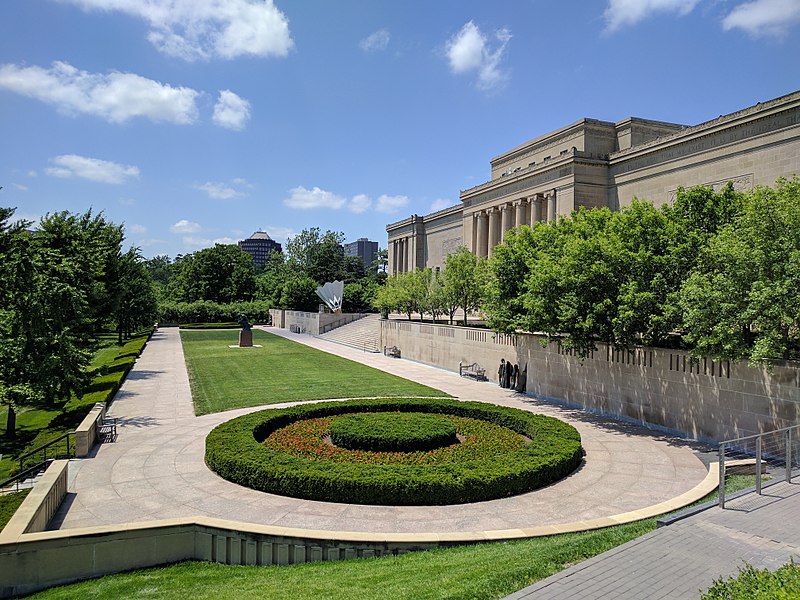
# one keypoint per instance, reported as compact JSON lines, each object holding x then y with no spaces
{"x":363,"y":334}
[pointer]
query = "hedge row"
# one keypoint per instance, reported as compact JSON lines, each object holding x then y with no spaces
{"x":211,"y":312}
{"x":393,"y":432}
{"x":234,"y":450}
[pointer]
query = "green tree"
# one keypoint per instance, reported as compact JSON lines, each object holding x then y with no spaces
{"x":223,"y":274}
{"x":321,"y":257}
{"x":465,"y":280}
{"x":299,"y":293}
{"x":138,"y":305}
{"x":743,"y":300}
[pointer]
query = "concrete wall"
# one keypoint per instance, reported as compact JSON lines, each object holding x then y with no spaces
{"x":86,"y":432}
{"x":706,"y":400}
{"x":313,"y":323}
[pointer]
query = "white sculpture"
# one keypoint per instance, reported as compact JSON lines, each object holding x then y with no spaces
{"x":331,"y":294}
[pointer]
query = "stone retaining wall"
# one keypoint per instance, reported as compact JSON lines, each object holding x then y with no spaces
{"x":707,"y":400}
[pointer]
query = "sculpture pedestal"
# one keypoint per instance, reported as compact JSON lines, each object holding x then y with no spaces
{"x":246,"y":338}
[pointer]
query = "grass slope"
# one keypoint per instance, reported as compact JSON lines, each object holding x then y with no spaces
{"x":37,"y":425}
{"x":223,"y":378}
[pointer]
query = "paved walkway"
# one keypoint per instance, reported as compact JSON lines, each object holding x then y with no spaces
{"x":156,"y":470}
{"x":679,"y":561}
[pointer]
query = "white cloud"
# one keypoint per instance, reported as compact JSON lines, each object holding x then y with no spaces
{"x":137,"y":229}
{"x":764,"y":18}
{"x":231,"y":111}
{"x":359,"y":203}
{"x":93,"y":169}
{"x":621,"y":13}
{"x":304,"y":199}
{"x":390,"y":204}
{"x":376,"y":41}
{"x":243,"y":182}
{"x":470,"y":50}
{"x":115,"y":97}
{"x":192,"y":29}
{"x":32,"y":173}
{"x":218,"y":191}
{"x":185,"y":226}
{"x":127,"y":201}
{"x":20,"y":187}
{"x":440,"y":204}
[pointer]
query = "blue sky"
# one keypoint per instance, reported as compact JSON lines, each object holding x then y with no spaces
{"x":200,"y":121}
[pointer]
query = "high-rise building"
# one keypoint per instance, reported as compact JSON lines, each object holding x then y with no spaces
{"x":364,"y":249}
{"x":259,"y":246}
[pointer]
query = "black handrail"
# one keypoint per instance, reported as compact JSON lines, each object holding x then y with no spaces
{"x":45,"y":447}
{"x":24,"y":474}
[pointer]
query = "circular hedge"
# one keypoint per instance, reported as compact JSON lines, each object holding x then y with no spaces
{"x":392,"y":432}
{"x":552,"y":449}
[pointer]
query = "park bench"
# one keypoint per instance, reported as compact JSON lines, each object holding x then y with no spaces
{"x":107,"y":430}
{"x":474,"y":370}
{"x":394,"y":351}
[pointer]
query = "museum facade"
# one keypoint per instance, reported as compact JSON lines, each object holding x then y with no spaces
{"x":593,"y":163}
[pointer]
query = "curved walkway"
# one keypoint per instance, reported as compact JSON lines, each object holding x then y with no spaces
{"x":156,"y":470}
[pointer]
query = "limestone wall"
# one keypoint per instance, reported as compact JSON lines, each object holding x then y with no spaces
{"x":706,"y":400}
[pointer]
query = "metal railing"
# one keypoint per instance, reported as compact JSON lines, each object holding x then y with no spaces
{"x":770,"y":452}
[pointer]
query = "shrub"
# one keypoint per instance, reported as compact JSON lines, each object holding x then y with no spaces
{"x":235,"y":451}
{"x":393,"y":432}
{"x":782,"y":584}
{"x":204,"y":311}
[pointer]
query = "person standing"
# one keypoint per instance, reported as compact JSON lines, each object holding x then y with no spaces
{"x":501,"y":373}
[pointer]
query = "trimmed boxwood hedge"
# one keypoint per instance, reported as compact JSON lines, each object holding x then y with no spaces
{"x":393,"y":432}
{"x":235,"y":452}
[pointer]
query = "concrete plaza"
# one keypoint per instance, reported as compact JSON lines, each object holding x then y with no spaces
{"x":156,"y":470}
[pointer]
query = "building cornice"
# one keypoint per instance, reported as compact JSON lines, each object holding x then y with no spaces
{"x":735,"y":119}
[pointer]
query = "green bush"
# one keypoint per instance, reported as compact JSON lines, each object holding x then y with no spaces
{"x":204,"y":311}
{"x":393,"y":432}
{"x":234,"y":450}
{"x":782,"y":584}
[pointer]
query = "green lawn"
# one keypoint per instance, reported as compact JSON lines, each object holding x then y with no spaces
{"x":223,"y":378}
{"x":479,"y":571}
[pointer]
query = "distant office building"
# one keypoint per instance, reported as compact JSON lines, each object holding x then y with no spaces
{"x":364,"y":249}
{"x":259,"y":246}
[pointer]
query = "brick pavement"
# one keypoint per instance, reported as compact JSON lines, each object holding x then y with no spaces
{"x":683,"y":559}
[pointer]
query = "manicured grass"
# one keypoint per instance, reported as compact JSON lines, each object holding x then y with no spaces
{"x":40,"y":424}
{"x":9,"y":503}
{"x":223,"y":378}
{"x":479,"y":571}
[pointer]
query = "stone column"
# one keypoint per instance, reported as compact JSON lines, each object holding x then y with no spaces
{"x":393,"y":261}
{"x":522,"y":212}
{"x":551,"y":206}
{"x":536,"y":209}
{"x":483,"y":234}
{"x":475,"y":243}
{"x":506,"y":220}
{"x":401,"y":260}
{"x":494,"y":229}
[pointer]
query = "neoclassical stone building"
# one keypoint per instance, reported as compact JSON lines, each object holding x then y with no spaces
{"x":595,"y":163}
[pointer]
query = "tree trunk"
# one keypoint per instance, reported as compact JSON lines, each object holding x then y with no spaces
{"x":11,"y":423}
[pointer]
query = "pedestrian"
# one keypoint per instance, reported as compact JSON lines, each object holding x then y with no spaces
{"x":514,"y":377}
{"x":501,"y":372}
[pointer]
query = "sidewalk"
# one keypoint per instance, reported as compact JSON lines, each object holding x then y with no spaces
{"x":682,"y":560}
